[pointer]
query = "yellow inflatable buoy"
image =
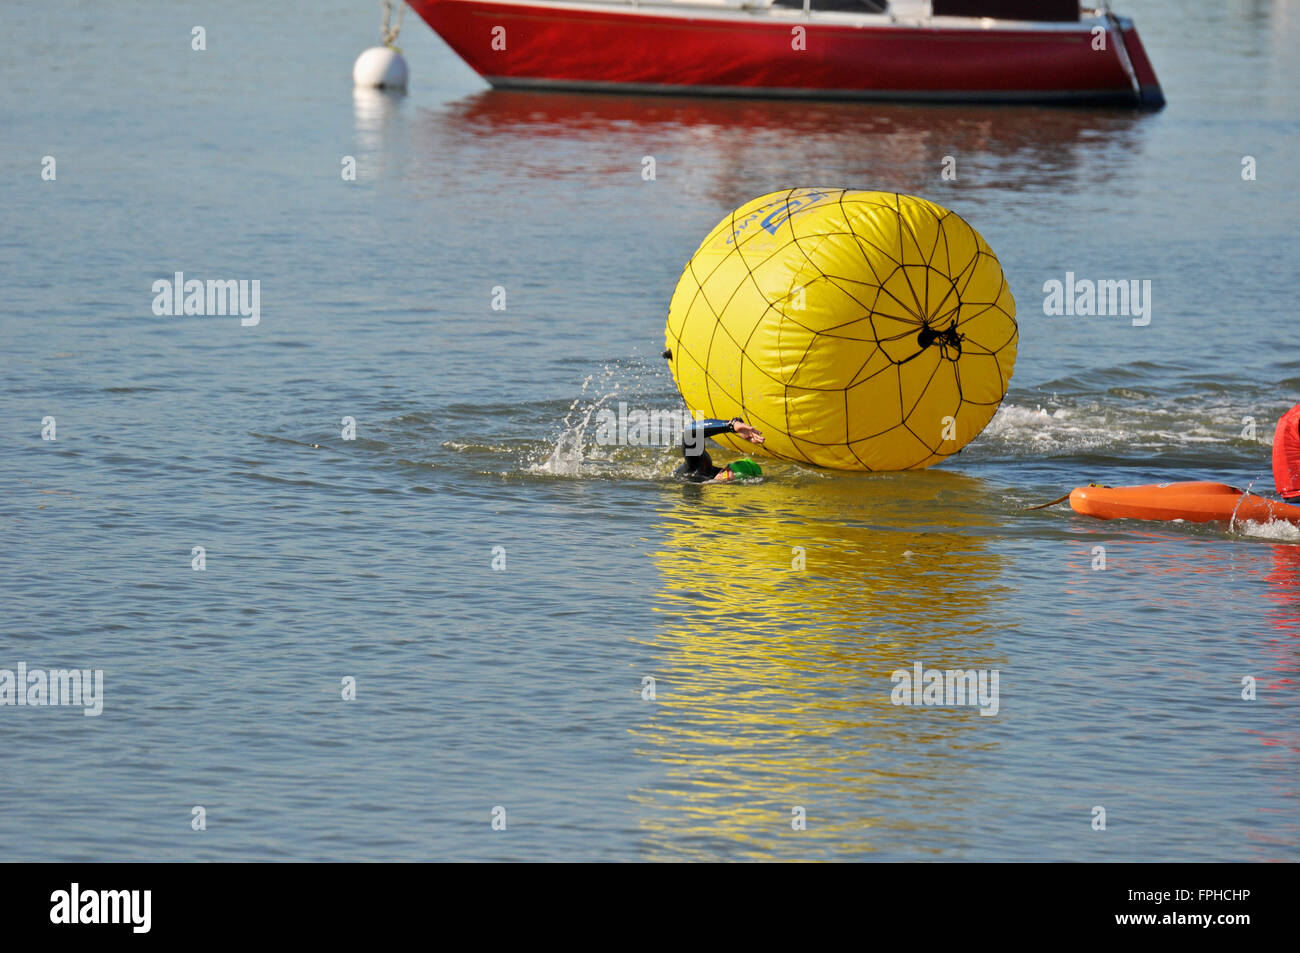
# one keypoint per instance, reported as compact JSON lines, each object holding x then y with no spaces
{"x":857,"y":330}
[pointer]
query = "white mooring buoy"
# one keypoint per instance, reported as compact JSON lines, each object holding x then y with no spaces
{"x":382,"y":67}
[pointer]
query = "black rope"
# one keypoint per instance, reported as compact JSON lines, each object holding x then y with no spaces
{"x":945,"y":338}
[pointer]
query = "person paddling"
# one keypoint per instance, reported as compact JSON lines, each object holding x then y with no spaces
{"x":697,"y":466}
{"x":1286,"y":456}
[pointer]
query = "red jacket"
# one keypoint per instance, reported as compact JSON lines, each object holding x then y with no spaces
{"x":1286,"y":453}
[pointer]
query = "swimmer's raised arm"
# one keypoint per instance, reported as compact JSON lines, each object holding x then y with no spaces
{"x":711,"y":428}
{"x":708,"y":427}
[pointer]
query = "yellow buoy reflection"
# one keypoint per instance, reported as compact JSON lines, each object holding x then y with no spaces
{"x":784,"y":609}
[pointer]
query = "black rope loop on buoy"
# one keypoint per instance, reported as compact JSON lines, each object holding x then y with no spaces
{"x":928,"y":336}
{"x":948,"y":337}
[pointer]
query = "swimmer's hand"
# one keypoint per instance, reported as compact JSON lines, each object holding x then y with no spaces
{"x":747,"y":431}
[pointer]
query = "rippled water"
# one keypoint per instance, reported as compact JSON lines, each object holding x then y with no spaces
{"x":523,"y":688}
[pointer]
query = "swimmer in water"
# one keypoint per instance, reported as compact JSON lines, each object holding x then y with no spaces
{"x":697,"y":467}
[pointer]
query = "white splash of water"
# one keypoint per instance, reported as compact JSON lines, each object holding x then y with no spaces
{"x":567,"y":456}
{"x":1232,"y":519}
{"x":1098,"y":426}
{"x":1279,"y":530}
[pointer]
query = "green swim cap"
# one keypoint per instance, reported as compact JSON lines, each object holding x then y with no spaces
{"x":746,"y":468}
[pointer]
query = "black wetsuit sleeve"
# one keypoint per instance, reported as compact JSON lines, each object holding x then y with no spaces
{"x":711,"y":428}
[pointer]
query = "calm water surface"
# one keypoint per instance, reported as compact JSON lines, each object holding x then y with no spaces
{"x":522,"y":688}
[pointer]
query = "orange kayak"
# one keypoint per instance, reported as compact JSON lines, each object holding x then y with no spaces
{"x":1195,"y":502}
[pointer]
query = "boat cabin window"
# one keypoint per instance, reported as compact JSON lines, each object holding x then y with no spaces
{"x":1046,"y":10}
{"x":1054,"y":10}
{"x":854,"y":6}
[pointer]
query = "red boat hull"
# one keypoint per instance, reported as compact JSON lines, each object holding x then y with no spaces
{"x":641,"y":49}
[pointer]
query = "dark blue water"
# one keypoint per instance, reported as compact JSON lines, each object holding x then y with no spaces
{"x":521,"y":687}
